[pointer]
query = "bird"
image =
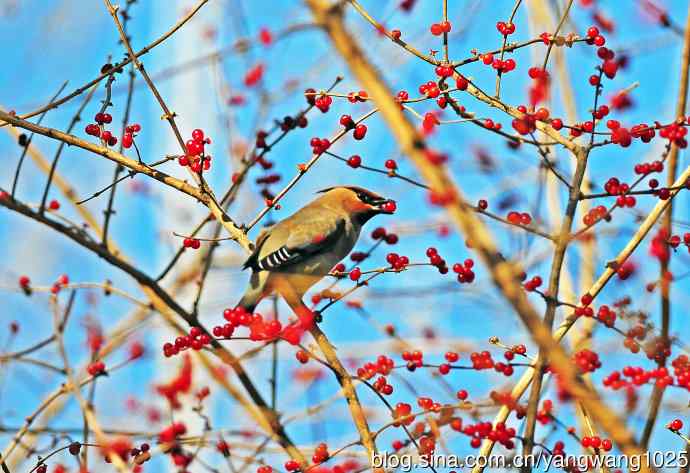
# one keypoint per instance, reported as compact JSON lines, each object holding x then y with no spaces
{"x":294,"y":254}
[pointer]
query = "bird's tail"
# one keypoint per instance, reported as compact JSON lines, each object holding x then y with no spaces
{"x":254,"y":292}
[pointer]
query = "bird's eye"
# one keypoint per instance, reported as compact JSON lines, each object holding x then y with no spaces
{"x":363,"y":197}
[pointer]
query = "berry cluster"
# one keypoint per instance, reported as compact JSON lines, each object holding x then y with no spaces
{"x":381,"y":385}
{"x":430,"y":89}
{"x":638,"y":376}
{"x":62,"y":281}
{"x":505,"y":399}
{"x":675,"y":133}
{"x":192,"y":243}
{"x":97,"y":129}
{"x":606,"y":316}
{"x":515,"y":350}
{"x":414,"y":359}
{"x":519,"y":218}
{"x":360,"y":132}
{"x":319,"y":145}
{"x":587,"y":361}
{"x":196,"y":340}
{"x":596,"y":214}
{"x":383,"y":366}
{"x":170,"y":433}
{"x":484,"y":430}
{"x":357,"y":97}
{"x":544,"y":415}
{"x":397,"y":262}
{"x":681,"y":370}
{"x":675,"y":241}
{"x":120,"y":446}
{"x":532,"y":284}
{"x":96,"y":368}
{"x":429,"y":122}
{"x":659,"y":246}
{"x":196,"y":158}
{"x":539,"y":89}
{"x":483,"y":360}
{"x":505,"y":28}
{"x":464,"y":271}
{"x":322,"y":102}
{"x":436,"y":260}
{"x":496,"y":63}
{"x":593,"y":37}
{"x":400,"y":414}
{"x":348,"y":123}
{"x":437,"y":29}
{"x":141,"y":454}
{"x":428,"y":404}
{"x":596,"y":443}
{"x":528,"y":122}
{"x":442,"y":198}
{"x":442,"y":70}
{"x":290,"y":123}
{"x":130,"y":133}
{"x":302,"y":356}
{"x":320,"y":454}
{"x":614,"y":187}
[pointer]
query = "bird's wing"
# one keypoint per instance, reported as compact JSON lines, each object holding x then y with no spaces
{"x":260,"y":240}
{"x":318,"y":234}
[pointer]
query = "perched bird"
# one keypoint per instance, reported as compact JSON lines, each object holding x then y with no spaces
{"x":296,"y":253}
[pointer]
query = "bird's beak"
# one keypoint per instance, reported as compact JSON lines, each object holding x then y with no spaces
{"x":384,"y":206}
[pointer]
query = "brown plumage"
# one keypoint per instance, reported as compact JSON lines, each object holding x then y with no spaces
{"x":296,"y":253}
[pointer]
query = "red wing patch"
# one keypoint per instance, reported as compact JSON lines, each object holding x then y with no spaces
{"x":318,"y":239}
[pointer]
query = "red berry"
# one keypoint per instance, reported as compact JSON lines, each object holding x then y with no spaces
{"x":390,"y":207}
{"x":198,"y":135}
{"x":347,"y":122}
{"x":360,"y":131}
{"x":127,"y":140}
{"x":74,"y":448}
{"x":302,"y":356}
{"x":676,"y":425}
{"x":354,"y":161}
{"x":194,"y":147}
